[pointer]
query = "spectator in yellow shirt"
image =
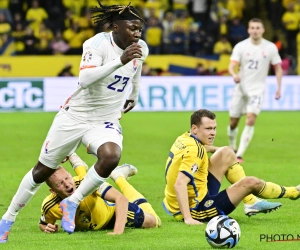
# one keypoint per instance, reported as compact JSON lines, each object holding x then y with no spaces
{"x":235,"y":8}
{"x":7,"y":45}
{"x":291,"y":20}
{"x":45,"y":35}
{"x":75,"y":6}
{"x":153,"y":36}
{"x":4,"y":25}
{"x":18,"y":33}
{"x":35,"y":15}
{"x":75,"y":38}
{"x":222,"y":46}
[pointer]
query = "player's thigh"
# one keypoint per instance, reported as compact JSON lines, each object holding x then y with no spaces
{"x":254,"y":103}
{"x":237,"y":192}
{"x":213,"y":184}
{"x":238,"y":104}
{"x":63,"y":138}
{"x":102,"y":133}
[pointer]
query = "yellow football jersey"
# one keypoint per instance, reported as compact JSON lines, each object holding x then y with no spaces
{"x":188,"y":156}
{"x":93,"y":213}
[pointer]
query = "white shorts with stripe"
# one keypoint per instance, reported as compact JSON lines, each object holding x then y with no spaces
{"x":243,"y":103}
{"x":66,"y":134}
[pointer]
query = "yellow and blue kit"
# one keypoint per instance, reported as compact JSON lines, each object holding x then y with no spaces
{"x":93,"y":213}
{"x":189,"y":157}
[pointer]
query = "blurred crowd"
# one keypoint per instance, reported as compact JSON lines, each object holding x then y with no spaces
{"x":188,"y":27}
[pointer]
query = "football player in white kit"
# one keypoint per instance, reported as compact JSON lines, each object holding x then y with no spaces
{"x":110,"y":63}
{"x":253,"y":56}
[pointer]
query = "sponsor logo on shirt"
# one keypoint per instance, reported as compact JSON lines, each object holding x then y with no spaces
{"x":179,"y":145}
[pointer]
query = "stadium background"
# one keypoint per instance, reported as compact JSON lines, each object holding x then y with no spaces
{"x":200,"y":33}
{"x":179,"y":83}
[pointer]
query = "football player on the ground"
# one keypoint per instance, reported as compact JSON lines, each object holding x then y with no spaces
{"x":193,"y":179}
{"x":106,"y":208}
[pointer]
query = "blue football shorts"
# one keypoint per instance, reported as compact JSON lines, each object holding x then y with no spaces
{"x":135,"y":215}
{"x":214,"y":203}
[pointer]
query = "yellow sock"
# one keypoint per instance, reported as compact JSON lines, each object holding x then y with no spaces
{"x":132,"y":194}
{"x":236,"y":173}
{"x":80,"y":170}
{"x":127,"y":190}
{"x":272,"y":191}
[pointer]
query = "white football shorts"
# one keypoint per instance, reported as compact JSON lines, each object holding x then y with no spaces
{"x":243,"y":103}
{"x":66,"y":134}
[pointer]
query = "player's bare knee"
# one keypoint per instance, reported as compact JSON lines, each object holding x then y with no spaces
{"x":150,"y":221}
{"x":41,"y":173}
{"x":233,"y":122}
{"x":110,"y":159}
{"x":250,"y":123}
{"x":228,"y":151}
{"x":107,"y":162}
{"x":251,"y":182}
{"x":228,"y":155}
{"x":250,"y":119}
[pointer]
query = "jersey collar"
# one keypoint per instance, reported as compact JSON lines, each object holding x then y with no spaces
{"x":195,"y":138}
{"x":114,"y":45}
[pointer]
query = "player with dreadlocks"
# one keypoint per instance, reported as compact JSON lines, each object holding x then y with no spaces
{"x":110,"y":63}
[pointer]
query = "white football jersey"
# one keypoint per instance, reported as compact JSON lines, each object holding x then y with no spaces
{"x":104,"y":98}
{"x":254,"y":63}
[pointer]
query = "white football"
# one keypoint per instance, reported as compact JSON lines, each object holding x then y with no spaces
{"x":222,"y":232}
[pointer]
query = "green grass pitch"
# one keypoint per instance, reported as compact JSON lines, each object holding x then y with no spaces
{"x":273,"y":155}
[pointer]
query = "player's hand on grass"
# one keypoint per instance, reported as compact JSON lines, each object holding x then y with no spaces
{"x":191,"y":221}
{"x":131,"y":52}
{"x":50,"y":228}
{"x":115,"y":233}
{"x":129,"y":104}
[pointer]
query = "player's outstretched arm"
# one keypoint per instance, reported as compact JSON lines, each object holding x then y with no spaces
{"x":182,"y":198}
{"x":121,"y":209}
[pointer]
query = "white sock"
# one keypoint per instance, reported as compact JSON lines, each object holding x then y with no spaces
{"x":232,"y":134}
{"x":25,"y":192}
{"x":89,"y":184}
{"x":245,"y":140}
